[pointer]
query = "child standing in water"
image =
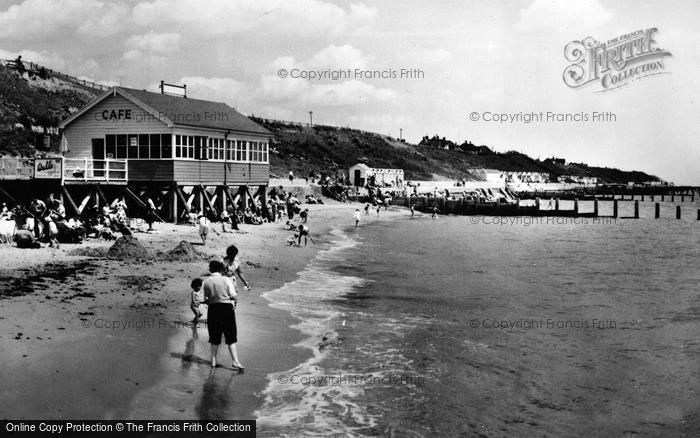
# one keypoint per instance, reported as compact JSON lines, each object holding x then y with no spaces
{"x":357,"y":216}
{"x":196,"y":299}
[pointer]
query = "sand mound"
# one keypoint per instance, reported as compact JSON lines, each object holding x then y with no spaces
{"x":128,"y":247}
{"x":98,"y":252}
{"x":183,"y":252}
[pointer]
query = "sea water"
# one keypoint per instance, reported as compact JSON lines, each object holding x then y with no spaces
{"x":468,"y":325}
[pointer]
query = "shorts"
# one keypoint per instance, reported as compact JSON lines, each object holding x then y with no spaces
{"x":221,"y":319}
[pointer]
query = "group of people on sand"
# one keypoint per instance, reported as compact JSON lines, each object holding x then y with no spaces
{"x":218,"y":293}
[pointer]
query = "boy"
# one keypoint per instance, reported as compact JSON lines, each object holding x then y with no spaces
{"x":357,"y":216}
{"x":196,"y":299}
{"x":304,"y":232}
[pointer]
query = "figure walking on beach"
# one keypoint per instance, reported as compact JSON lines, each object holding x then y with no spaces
{"x":220,"y":295}
{"x":357,"y":216}
{"x":413,"y":209}
{"x":435,"y":211}
{"x":233,"y":266}
{"x":204,"y":226}
{"x":196,"y":299}
{"x":150,"y":213}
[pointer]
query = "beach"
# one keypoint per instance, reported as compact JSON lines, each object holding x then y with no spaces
{"x":112,"y":336}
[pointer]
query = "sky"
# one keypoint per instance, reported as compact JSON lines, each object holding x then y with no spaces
{"x":466,"y":58}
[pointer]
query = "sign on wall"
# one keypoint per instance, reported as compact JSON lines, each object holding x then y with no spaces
{"x":47,"y":168}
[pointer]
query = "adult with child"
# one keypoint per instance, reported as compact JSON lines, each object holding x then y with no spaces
{"x":220,"y":295}
{"x":233,"y":266}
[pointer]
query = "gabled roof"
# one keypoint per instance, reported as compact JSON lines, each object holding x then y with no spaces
{"x":363,"y":166}
{"x":180,"y":111}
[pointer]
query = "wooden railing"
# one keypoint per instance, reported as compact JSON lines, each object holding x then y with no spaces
{"x":89,"y":170}
{"x":37,"y":70}
{"x":16,"y":168}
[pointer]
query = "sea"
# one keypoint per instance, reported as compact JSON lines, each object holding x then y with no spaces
{"x":491,"y":326}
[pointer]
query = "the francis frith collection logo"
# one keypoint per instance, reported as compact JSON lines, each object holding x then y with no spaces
{"x":616,"y":62}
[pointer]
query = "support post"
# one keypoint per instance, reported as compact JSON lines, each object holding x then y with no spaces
{"x":615,"y":208}
{"x":556,"y":204}
{"x":575,"y":206}
{"x":595,"y":208}
{"x":636,"y":209}
{"x":657,"y":210}
{"x":173,"y":203}
{"x":678,"y":211}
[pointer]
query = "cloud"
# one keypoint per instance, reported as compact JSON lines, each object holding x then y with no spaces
{"x":429,"y":56}
{"x":344,"y":91}
{"x":151,"y":45}
{"x":568,"y":16}
{"x":352,"y":92}
{"x":226,"y":17}
{"x":333,"y":57}
{"x":37,"y":19}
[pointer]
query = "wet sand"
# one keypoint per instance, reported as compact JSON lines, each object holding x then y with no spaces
{"x":95,"y":338}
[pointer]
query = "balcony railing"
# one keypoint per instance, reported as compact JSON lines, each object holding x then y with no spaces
{"x":89,"y":170}
{"x":16,"y":168}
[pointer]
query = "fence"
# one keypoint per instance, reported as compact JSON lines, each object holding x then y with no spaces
{"x":40,"y":69}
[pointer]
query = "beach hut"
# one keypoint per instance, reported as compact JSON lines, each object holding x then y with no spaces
{"x":360,"y":175}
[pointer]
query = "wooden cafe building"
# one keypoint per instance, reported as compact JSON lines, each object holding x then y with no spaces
{"x":184,"y":153}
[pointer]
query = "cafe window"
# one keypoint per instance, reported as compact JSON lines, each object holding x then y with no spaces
{"x":241,"y":150}
{"x":143,"y":147}
{"x":166,"y":146}
{"x":230,"y":150}
{"x":155,"y":145}
{"x":111,"y":146}
{"x":121,"y":146}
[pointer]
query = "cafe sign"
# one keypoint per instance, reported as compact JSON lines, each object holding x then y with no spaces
{"x":48,"y":168}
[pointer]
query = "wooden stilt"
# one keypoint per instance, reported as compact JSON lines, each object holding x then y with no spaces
{"x":139,"y":201}
{"x":576,"y":206}
{"x":595,"y":208}
{"x":203,"y":193}
{"x":636,"y":209}
{"x":70,"y":200}
{"x":173,"y":195}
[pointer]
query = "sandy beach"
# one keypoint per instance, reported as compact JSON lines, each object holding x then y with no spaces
{"x":112,"y":336}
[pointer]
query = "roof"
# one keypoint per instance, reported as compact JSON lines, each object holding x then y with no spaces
{"x":181,"y":111}
{"x":362,"y":166}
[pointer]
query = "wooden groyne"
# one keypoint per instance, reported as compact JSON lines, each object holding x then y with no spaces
{"x":538,"y":207}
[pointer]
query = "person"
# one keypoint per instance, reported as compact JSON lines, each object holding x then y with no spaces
{"x":291,"y":176}
{"x":357,"y":216}
{"x":204,"y":226}
{"x":304,"y":215}
{"x":52,"y":231}
{"x":233,"y":266}
{"x":220,"y":295}
{"x":196,"y":299}
{"x":150,"y":213}
{"x":292,"y":240}
{"x":379,"y":208}
{"x":435,"y":211}
{"x":304,"y":232}
{"x":366,"y":209}
{"x":225,"y":218}
{"x":4,"y":213}
{"x":413,"y":210}
{"x":25,"y":239}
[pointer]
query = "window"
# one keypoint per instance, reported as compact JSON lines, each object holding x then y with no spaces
{"x":166,"y":146}
{"x":121,"y":146}
{"x":190,"y":146}
{"x":111,"y":146}
{"x":133,"y":149}
{"x":241,"y":150}
{"x":155,"y":146}
{"x":230,"y":150}
{"x":265,"y":151}
{"x":216,"y":149}
{"x":143,"y":146}
{"x":178,"y":151}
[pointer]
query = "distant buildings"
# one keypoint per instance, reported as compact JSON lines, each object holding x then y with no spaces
{"x":438,"y":143}
{"x":361,"y":175}
{"x":578,"y":179}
